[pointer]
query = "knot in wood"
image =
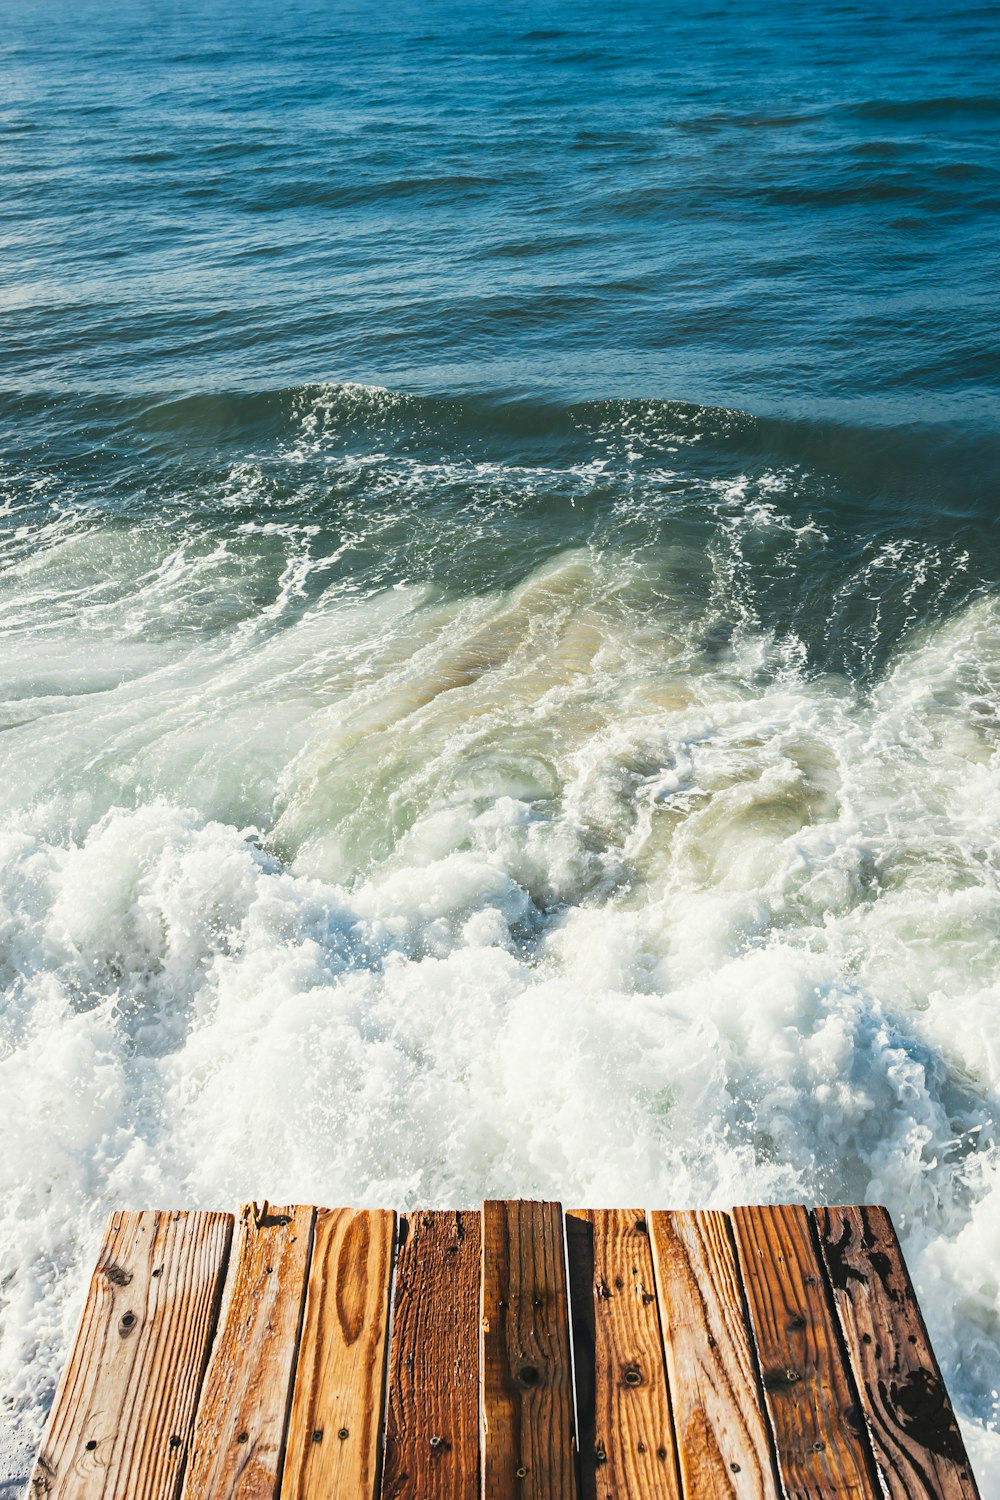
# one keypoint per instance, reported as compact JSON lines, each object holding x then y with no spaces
{"x":126,"y":1323}
{"x":780,"y":1379}
{"x":633,"y":1376}
{"x":852,"y":1418}
{"x":528,"y":1375}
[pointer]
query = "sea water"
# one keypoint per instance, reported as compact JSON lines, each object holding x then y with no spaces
{"x":500,"y":609}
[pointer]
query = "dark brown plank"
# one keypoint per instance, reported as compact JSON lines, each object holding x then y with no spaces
{"x":723,"y":1437}
{"x":239,"y":1433}
{"x":335,"y":1425}
{"x":123,"y":1413}
{"x":633,"y":1449}
{"x":914,"y":1434}
{"x":527,"y":1420}
{"x":432,"y":1407}
{"x":818,"y":1430}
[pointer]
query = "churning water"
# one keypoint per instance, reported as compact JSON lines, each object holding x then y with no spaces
{"x":500,"y":613}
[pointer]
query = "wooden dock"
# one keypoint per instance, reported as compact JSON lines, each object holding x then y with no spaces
{"x":297,"y":1353}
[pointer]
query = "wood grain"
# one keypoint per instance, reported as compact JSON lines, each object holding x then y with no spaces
{"x":239,"y":1433}
{"x":914,"y":1434}
{"x":432,"y":1407}
{"x":723,"y":1436}
{"x":633,"y":1450}
{"x":526,"y":1403}
{"x":818,"y":1430}
{"x":122,"y":1418}
{"x":334,"y":1430}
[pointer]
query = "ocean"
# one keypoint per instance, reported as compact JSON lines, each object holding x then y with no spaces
{"x":500,"y":619}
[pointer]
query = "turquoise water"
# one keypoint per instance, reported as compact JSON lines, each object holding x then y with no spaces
{"x":499,"y":574}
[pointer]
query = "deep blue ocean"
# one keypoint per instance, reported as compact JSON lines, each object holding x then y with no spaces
{"x":499,"y":622}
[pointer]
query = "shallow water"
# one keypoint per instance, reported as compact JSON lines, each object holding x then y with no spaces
{"x":500,"y":684}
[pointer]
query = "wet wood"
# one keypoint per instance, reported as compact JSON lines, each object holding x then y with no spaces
{"x":334,"y":1431}
{"x":239,"y":1434}
{"x":122,"y":1419}
{"x":769,"y":1354}
{"x":722,"y":1434}
{"x":916,"y":1440}
{"x":432,"y":1406}
{"x":818,"y":1430}
{"x":527,"y":1421}
{"x":633,"y":1448}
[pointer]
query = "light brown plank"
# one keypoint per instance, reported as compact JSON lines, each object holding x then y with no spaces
{"x":633,"y":1449}
{"x":334,"y":1431}
{"x":122,"y":1417}
{"x":239,"y":1431}
{"x":432,"y":1408}
{"x":527,"y":1422}
{"x":723,"y":1436}
{"x":818,"y":1430}
{"x":914,"y":1434}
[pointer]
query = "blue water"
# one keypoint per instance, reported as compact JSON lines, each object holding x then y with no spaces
{"x":784,"y":209}
{"x":498,"y":556}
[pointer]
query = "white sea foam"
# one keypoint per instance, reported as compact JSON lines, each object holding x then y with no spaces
{"x":411,"y":899}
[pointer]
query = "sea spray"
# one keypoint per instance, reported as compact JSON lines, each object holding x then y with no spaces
{"x":587,"y":883}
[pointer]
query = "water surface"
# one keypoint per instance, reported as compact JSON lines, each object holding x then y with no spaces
{"x":500,"y":681}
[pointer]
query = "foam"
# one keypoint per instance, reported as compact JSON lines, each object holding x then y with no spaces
{"x":413,"y":898}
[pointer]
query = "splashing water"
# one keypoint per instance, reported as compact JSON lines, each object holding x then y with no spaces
{"x":392,"y":818}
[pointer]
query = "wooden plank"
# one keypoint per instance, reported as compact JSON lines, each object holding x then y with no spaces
{"x":818,"y":1429}
{"x":914,"y":1434}
{"x":633,"y":1450}
{"x":526,"y":1402}
{"x":432,"y":1409}
{"x":239,"y":1432}
{"x":723,"y":1437}
{"x":334,"y":1430}
{"x":123,"y":1414}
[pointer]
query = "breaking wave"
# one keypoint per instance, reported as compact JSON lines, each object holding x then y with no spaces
{"x":410,"y":800}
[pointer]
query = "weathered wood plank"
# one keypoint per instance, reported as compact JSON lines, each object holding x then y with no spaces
{"x":527,"y":1445}
{"x":239,"y":1431}
{"x":633,"y":1450}
{"x":914,"y":1434}
{"x":723,"y":1437}
{"x":123,"y":1414}
{"x":432,"y":1408}
{"x":818,"y":1430}
{"x":334,"y":1431}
